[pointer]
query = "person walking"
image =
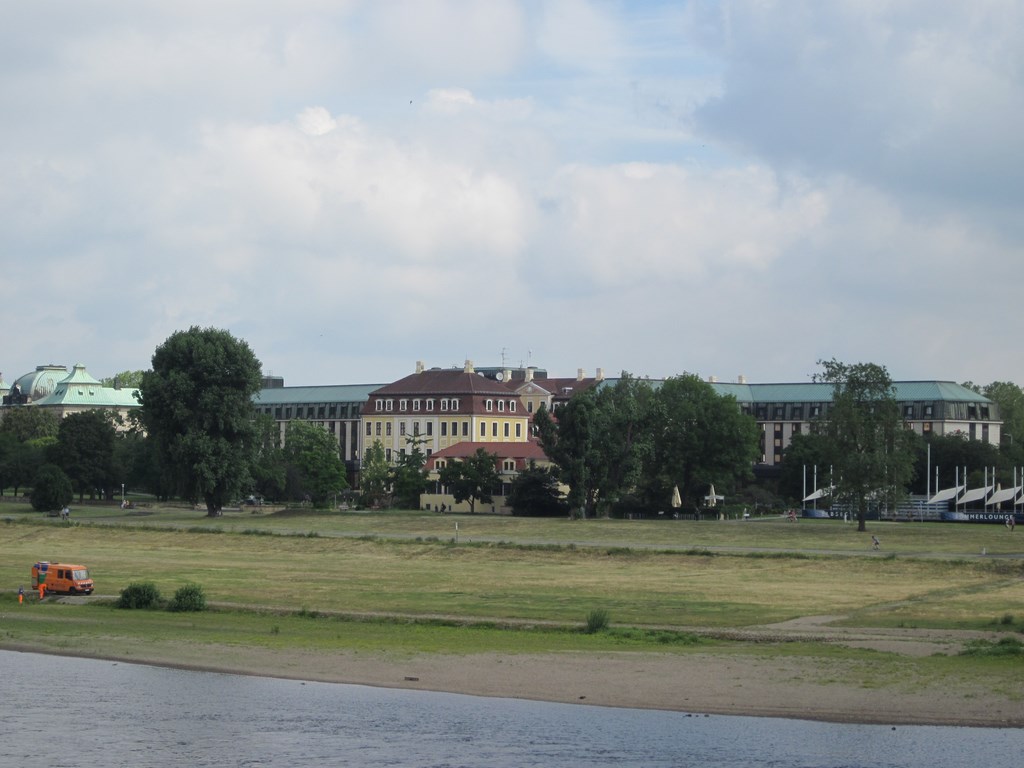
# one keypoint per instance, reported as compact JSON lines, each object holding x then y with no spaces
{"x":875,"y":543}
{"x":21,"y":595}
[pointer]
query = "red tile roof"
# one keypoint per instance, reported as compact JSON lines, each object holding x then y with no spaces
{"x":444,"y":382}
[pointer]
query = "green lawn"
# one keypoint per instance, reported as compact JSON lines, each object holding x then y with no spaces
{"x":405,"y":570}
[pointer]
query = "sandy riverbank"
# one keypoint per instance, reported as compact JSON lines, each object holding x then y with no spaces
{"x":717,"y":683}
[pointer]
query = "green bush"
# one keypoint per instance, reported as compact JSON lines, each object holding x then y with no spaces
{"x":597,"y":621}
{"x":188,"y":598}
{"x":51,"y":490}
{"x":143,"y":594}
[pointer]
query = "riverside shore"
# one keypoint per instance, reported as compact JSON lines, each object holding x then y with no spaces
{"x":699,"y":683}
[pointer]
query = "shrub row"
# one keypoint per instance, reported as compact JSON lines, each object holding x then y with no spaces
{"x":144,"y":594}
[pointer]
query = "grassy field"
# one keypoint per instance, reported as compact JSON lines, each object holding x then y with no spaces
{"x":716,"y":574}
{"x":766,"y":533}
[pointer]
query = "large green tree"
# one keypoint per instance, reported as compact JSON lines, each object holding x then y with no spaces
{"x":472,"y":479}
{"x":871,"y":450}
{"x":699,"y":438}
{"x":52,"y":489}
{"x":571,"y":442}
{"x":315,"y":468}
{"x":598,"y":442}
{"x":124,"y":380}
{"x":269,"y":470}
{"x":409,"y":475}
{"x":197,"y":408}
{"x":536,"y":493}
{"x":375,"y":476}
{"x":85,"y":451}
{"x":28,"y":422}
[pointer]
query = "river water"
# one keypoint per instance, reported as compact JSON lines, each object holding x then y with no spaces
{"x":83,"y":713}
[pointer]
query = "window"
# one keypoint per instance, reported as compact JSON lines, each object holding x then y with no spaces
{"x":928,"y":411}
{"x":465,"y":429}
{"x":388,"y":429}
{"x":455,"y":429}
{"x":387,"y":454}
{"x":494,"y":429}
{"x":415,"y":428}
{"x":444,"y":404}
{"x":908,"y":411}
{"x":519,"y":429}
{"x":430,"y":428}
{"x":778,"y":412}
{"x":796,"y":412}
{"x":377,"y":429}
{"x":369,"y":428}
{"x":415,"y":405}
{"x":483,"y":429}
{"x":489,"y":405}
{"x":926,"y":427}
{"x":509,"y":465}
{"x":380,"y":405}
{"x":444,"y":429}
{"x":403,"y":405}
{"x":501,"y":405}
{"x":455,"y":403}
{"x":815,"y":411}
{"x":430,"y":404}
{"x":389,"y":405}
{"x":401,"y":427}
{"x":506,"y":429}
{"x":512,"y":405}
{"x":529,"y":406}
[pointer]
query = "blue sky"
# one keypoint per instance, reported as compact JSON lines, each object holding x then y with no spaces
{"x":655,"y":187}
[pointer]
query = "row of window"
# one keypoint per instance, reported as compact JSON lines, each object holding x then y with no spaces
{"x":313,"y":411}
{"x":385,"y":428}
{"x":447,"y":404}
{"x":798,"y":411}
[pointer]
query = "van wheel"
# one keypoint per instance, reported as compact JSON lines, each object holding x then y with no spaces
{"x":71,"y":591}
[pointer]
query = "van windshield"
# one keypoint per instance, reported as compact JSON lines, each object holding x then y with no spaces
{"x":80,"y":574}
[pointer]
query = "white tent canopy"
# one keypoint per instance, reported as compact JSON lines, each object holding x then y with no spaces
{"x":946,"y":494}
{"x":975,"y":495}
{"x":820,"y":493}
{"x":1007,"y":494}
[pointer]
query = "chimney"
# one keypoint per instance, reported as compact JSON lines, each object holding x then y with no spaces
{"x":419,"y":366}
{"x":579,"y":374}
{"x":529,"y":373}
{"x":506,"y":375}
{"x":742,"y":379}
{"x":469,"y":367}
{"x":600,"y":374}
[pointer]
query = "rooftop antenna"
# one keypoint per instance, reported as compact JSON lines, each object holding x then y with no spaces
{"x":503,"y":351}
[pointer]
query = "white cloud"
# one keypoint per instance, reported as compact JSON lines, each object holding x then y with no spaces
{"x":354,"y":186}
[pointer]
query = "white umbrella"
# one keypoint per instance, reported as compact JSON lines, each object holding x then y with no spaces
{"x":712,"y":498}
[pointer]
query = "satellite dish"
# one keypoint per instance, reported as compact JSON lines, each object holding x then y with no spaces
{"x":499,"y":375}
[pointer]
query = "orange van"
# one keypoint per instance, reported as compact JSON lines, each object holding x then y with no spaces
{"x":62,"y":577}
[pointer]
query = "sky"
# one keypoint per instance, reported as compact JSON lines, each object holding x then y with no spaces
{"x":716,"y":188}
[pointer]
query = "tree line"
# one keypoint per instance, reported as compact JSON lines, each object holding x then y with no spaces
{"x":616,"y":449}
